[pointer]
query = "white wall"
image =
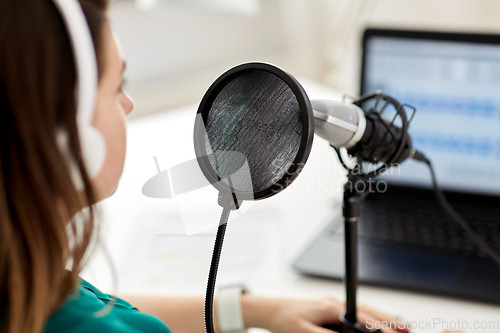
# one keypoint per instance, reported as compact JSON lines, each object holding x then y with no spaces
{"x":174,"y":55}
{"x":443,"y":15}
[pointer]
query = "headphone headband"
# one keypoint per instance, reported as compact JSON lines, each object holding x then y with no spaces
{"x":85,"y":58}
{"x":91,"y":141}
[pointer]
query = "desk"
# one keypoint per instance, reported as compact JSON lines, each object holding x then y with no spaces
{"x":150,"y":254}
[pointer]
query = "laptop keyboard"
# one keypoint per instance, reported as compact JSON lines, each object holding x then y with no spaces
{"x":424,"y":228}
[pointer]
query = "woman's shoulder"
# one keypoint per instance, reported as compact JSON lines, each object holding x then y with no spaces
{"x":87,"y":310}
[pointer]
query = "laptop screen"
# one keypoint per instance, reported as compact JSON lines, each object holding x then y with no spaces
{"x":455,"y":87}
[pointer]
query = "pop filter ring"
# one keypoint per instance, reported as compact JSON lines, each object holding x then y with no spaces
{"x":306,"y":137}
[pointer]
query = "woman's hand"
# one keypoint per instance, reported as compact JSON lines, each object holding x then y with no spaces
{"x":307,"y":316}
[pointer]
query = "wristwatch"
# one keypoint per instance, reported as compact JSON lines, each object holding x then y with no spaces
{"x":229,"y":313}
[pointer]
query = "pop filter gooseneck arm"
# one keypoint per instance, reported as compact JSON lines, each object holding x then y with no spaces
{"x":228,"y":202}
{"x":214,"y":266}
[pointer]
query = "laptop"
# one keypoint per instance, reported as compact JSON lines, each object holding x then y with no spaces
{"x":405,"y":239}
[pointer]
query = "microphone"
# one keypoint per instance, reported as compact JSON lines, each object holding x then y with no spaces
{"x":360,"y":128}
{"x":374,"y":141}
{"x":365,"y":134}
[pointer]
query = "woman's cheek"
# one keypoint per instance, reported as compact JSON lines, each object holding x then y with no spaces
{"x":118,"y":142}
{"x":111,"y":123}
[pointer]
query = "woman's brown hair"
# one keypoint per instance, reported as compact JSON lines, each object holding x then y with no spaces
{"x":42,"y":244}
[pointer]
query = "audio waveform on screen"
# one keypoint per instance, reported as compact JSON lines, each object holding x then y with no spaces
{"x":445,"y":104}
{"x":462,"y":105}
{"x":482,"y":146}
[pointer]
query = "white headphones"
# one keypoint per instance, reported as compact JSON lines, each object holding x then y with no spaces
{"x":92,"y":142}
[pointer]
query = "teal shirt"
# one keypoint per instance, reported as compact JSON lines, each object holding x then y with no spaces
{"x":78,"y":315}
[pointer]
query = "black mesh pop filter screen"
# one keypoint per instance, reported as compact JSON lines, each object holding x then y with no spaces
{"x":258,"y":114}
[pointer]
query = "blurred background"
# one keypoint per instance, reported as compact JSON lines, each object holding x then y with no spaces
{"x":176,"y":48}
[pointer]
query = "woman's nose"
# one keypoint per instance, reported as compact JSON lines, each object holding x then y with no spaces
{"x":128,"y":103}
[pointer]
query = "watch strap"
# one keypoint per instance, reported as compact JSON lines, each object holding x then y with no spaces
{"x":229,"y":312}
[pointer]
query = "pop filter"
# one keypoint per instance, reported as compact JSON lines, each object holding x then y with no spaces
{"x":263,"y":113}
{"x":258,"y":113}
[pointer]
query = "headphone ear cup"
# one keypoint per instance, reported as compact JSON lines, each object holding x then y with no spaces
{"x":93,"y":148}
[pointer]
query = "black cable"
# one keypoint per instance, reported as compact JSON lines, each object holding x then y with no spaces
{"x":454,"y":215}
{"x":341,"y":159}
{"x":214,"y":266}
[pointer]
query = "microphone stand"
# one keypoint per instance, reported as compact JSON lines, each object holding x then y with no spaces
{"x":355,"y":190}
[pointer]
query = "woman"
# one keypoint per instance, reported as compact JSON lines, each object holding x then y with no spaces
{"x":43,"y":239}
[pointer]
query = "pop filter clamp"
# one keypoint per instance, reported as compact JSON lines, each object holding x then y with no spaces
{"x":396,"y":142}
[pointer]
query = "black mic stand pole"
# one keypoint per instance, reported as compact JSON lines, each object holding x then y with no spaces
{"x":355,"y":190}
